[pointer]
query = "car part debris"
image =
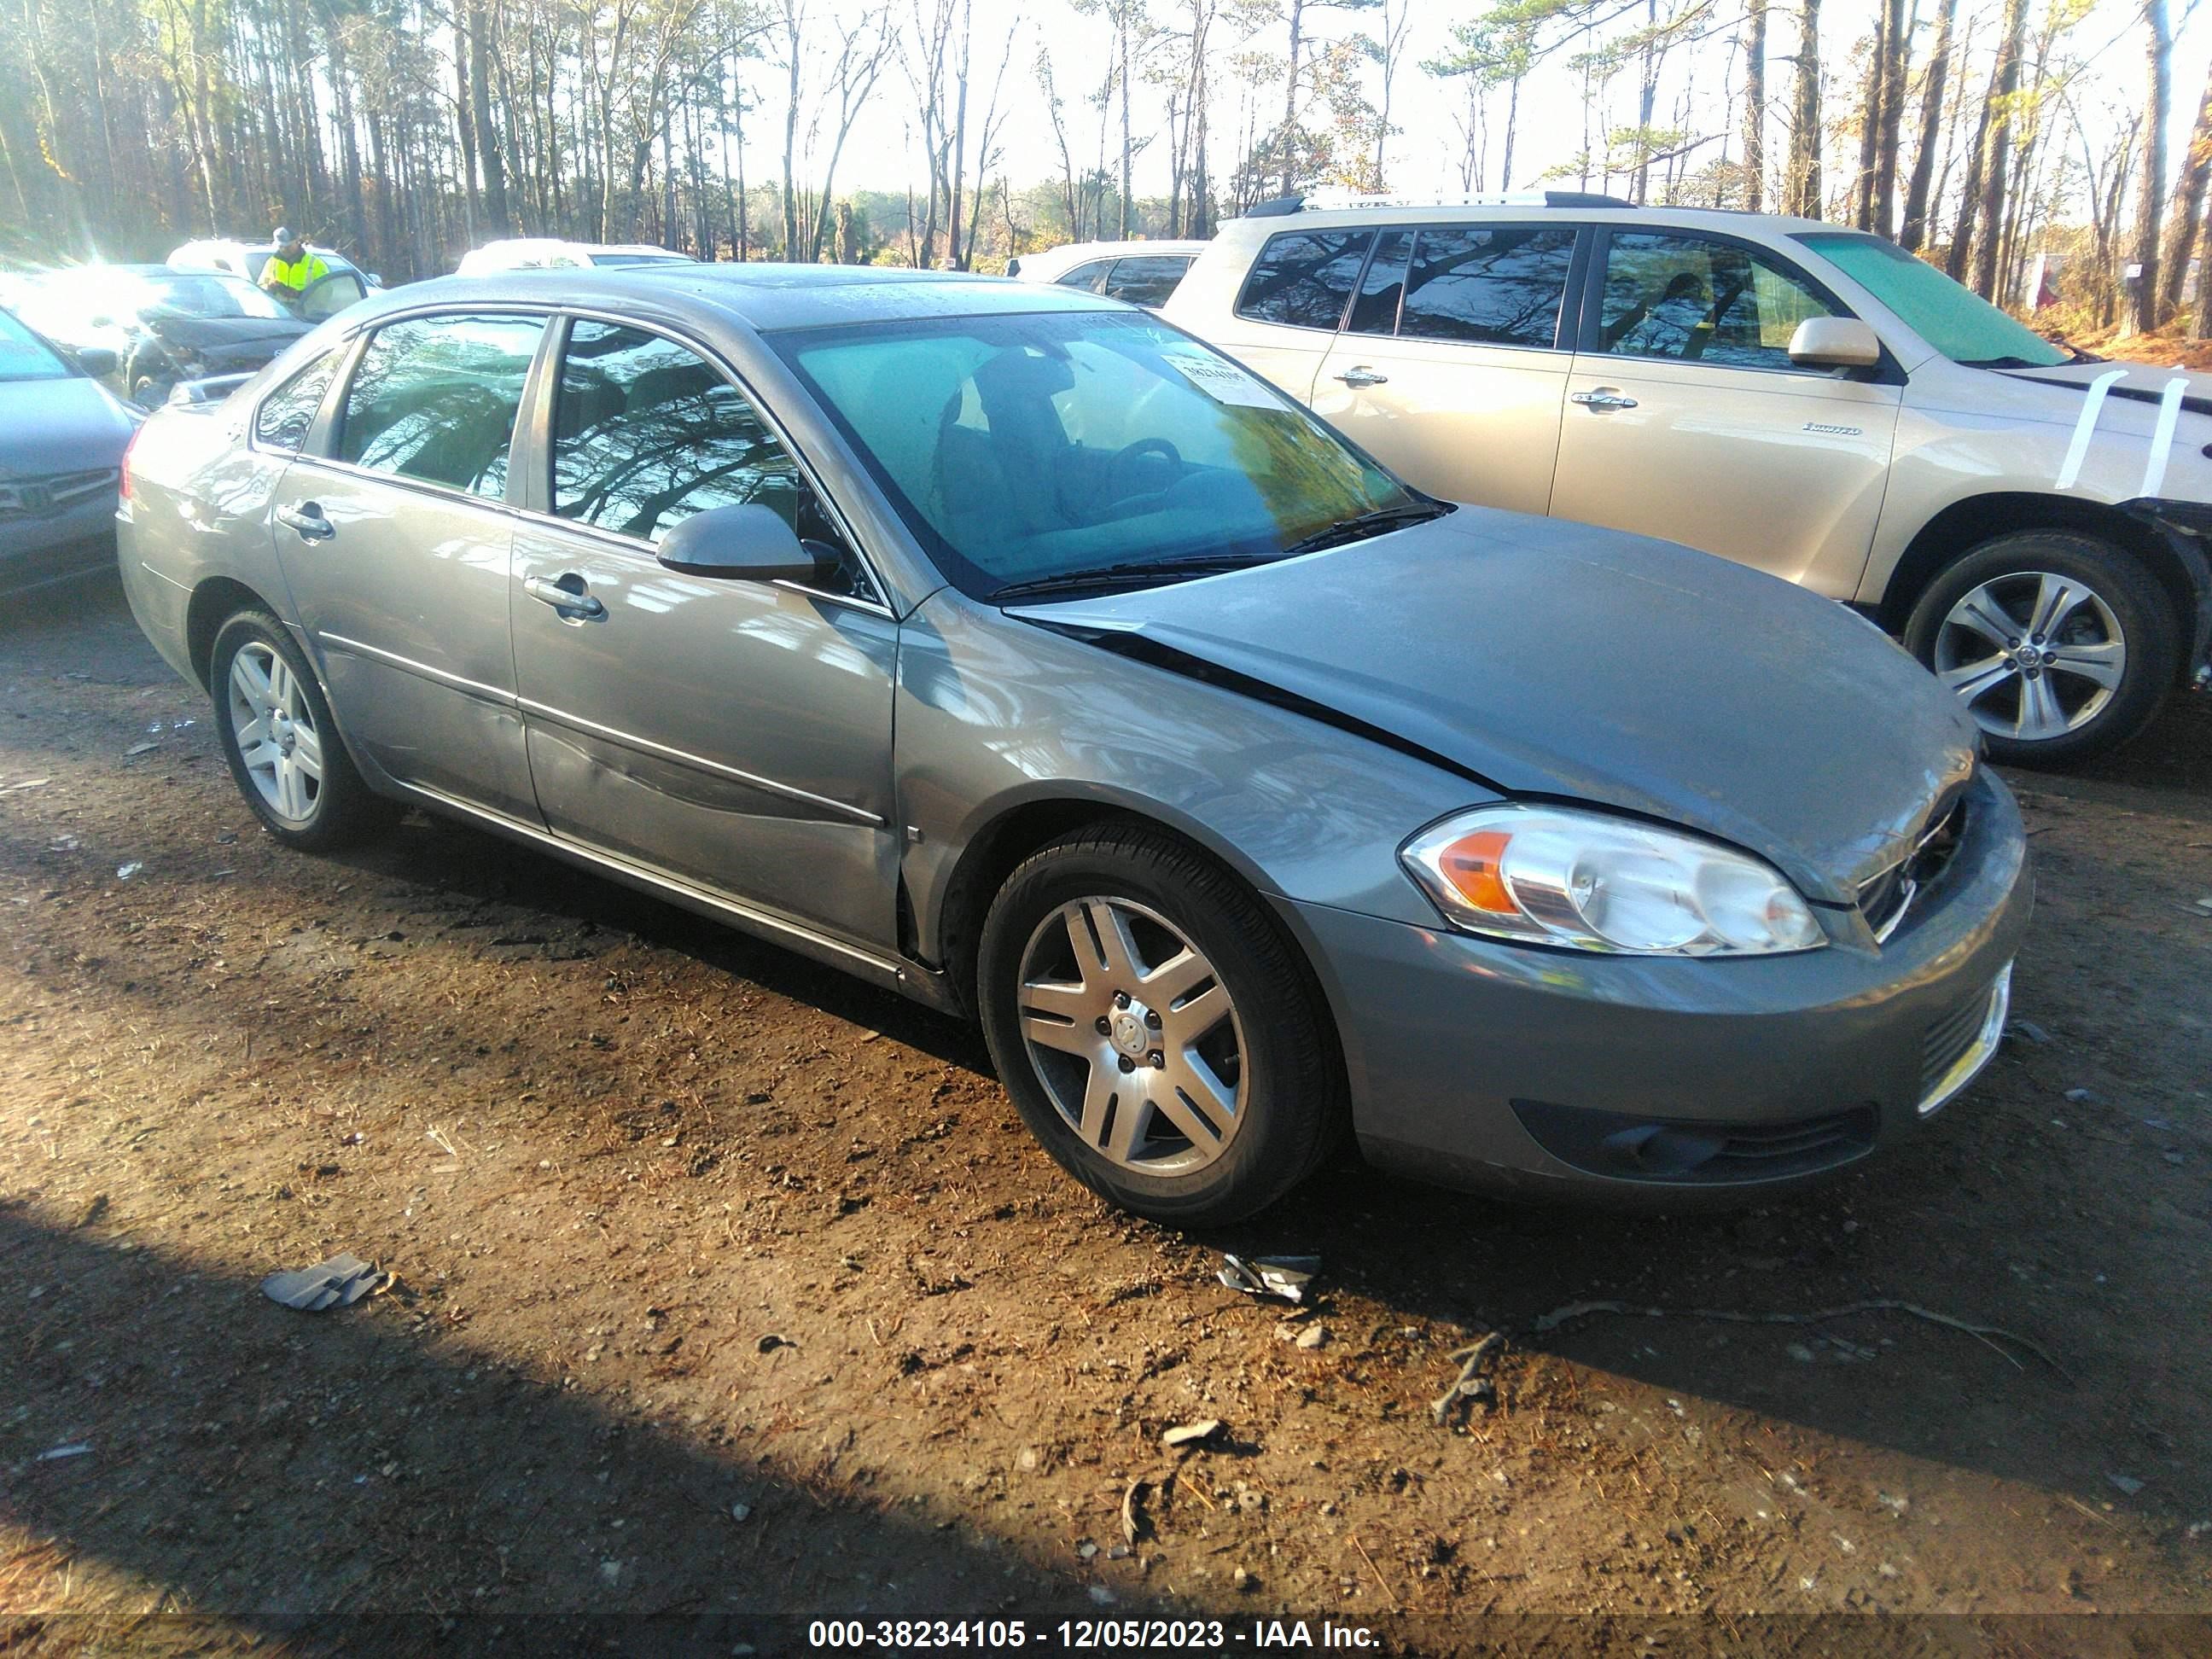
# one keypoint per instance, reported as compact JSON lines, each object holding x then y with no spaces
{"x":338,"y":1283}
{"x":1132,"y":1510}
{"x":124,"y":871}
{"x":1191,"y":1434}
{"x":1469,"y":1385}
{"x":1283,"y":1276}
{"x":54,"y":1455}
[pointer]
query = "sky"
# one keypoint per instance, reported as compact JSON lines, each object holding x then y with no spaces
{"x":1423,"y":158}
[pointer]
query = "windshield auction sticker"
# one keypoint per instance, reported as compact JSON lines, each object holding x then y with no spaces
{"x":1221,"y":379}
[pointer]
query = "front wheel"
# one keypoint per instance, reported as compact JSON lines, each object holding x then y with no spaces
{"x":2061,"y":646}
{"x":1155,"y":1028}
{"x":283,"y":747}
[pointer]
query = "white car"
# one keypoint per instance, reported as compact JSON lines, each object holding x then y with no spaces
{"x":551,"y":253}
{"x":246,"y":259}
{"x":1142,"y":273}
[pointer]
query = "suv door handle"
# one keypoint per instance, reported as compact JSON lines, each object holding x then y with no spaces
{"x":578,"y":599}
{"x":1360,"y":376}
{"x":308,"y":521}
{"x":1604,"y":398}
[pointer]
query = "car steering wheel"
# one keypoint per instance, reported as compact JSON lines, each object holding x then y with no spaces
{"x":1121,"y":469}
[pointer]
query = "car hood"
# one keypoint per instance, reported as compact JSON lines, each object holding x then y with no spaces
{"x":223,"y":333}
{"x":1555,"y":659}
{"x":68,"y":425}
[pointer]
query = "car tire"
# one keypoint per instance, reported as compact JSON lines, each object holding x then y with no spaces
{"x":1239,"y":1044}
{"x":2050,"y":698}
{"x":282,"y":746}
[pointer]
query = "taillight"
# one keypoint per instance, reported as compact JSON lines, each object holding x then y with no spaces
{"x":122,"y":488}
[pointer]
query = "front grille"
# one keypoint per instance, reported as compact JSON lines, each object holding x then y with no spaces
{"x":54,"y":492}
{"x":1885,"y":900}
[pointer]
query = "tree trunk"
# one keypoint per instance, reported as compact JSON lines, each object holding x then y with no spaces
{"x":1896,"y":62}
{"x":2004,"y":82}
{"x":1931,"y":133}
{"x":488,"y":151}
{"x":1877,"y":83}
{"x":1804,"y":192}
{"x":1289,"y":97}
{"x":1755,"y":105}
{"x":2159,"y":61}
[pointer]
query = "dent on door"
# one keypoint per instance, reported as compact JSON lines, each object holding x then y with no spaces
{"x":733,"y":733}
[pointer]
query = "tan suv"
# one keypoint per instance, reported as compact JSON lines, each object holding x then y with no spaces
{"x":1811,"y":401}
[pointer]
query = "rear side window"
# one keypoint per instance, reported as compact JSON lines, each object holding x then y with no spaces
{"x":289,"y":411}
{"x":434,"y":398}
{"x":1374,"y":308}
{"x":1145,"y":279}
{"x":1085,"y":276}
{"x":1489,"y":285}
{"x":1304,"y":278}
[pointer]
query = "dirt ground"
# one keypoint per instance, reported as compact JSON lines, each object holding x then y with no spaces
{"x":726,"y":1285}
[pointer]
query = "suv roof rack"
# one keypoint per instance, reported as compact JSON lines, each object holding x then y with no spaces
{"x":1324,"y":201}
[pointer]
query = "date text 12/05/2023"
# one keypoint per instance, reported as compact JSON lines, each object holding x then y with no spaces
{"x":1084,"y":1635}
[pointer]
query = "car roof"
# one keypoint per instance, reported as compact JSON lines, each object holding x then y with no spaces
{"x":760,"y":296}
{"x":1727,"y":220}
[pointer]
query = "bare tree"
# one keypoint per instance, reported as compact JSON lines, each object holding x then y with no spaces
{"x":1804,"y":194}
{"x":1754,"y":105}
{"x":2159,"y":65}
{"x":1915,"y":231}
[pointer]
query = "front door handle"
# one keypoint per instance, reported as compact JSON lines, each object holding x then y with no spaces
{"x":1360,"y":376}
{"x":307,"y":519}
{"x":1604,"y":398}
{"x":574,"y":600}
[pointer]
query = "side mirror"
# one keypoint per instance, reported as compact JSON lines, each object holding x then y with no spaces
{"x":95,"y":361}
{"x":748,"y":541}
{"x":1835,"y":342}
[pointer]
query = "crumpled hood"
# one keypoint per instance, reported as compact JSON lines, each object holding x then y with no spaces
{"x":225,"y":334}
{"x":67,"y":425}
{"x":1559,"y":659}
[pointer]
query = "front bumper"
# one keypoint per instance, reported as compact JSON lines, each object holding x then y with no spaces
{"x":1648,"y":1080}
{"x":78,"y":540}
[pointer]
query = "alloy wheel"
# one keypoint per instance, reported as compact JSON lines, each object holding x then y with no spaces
{"x":2033,"y":655}
{"x":274,"y":727}
{"x":1133,"y":1035}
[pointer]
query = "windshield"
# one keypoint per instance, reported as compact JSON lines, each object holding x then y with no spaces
{"x":640,"y":260}
{"x":24,"y":357}
{"x":1029,"y":448}
{"x":121,"y":293}
{"x":1958,"y":323}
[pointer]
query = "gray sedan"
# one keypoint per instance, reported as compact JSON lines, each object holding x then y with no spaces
{"x":61,"y":439}
{"x":1008,"y":647}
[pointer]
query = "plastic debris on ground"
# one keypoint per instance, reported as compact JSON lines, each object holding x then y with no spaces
{"x":338,"y":1283}
{"x":1283,"y":1276}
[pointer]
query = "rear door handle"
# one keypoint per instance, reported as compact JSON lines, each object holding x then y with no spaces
{"x":1604,"y":398}
{"x":307,"y":519}
{"x":1360,"y":376}
{"x":576,"y":599}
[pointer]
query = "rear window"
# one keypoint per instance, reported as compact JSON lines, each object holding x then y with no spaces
{"x":1496,"y":285}
{"x":1085,"y":276}
{"x":1304,"y":278}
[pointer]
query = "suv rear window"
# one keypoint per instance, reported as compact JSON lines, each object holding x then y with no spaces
{"x":1146,"y":279}
{"x":1500,"y":285}
{"x":1304,"y":278}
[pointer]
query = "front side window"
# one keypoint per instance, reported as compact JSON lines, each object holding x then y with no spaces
{"x":1304,"y":278}
{"x":1146,"y":279}
{"x":434,"y":398}
{"x":1958,"y":322}
{"x":1489,"y":285}
{"x":646,"y":433}
{"x":1698,"y":301}
{"x":288,"y":412}
{"x":1091,"y":446}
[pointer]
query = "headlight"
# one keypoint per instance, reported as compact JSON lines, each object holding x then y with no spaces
{"x":1551,"y":876}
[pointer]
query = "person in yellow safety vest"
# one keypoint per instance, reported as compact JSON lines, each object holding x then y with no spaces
{"x":291,"y":269}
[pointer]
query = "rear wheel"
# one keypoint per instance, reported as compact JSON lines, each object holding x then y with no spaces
{"x":1155,"y":1028}
{"x":283,"y":747}
{"x":2061,"y":646}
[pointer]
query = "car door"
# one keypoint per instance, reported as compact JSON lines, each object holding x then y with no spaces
{"x":1292,"y":302}
{"x":1687,"y":419}
{"x":733,"y":733}
{"x":1449,"y":369}
{"x":394,"y":535}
